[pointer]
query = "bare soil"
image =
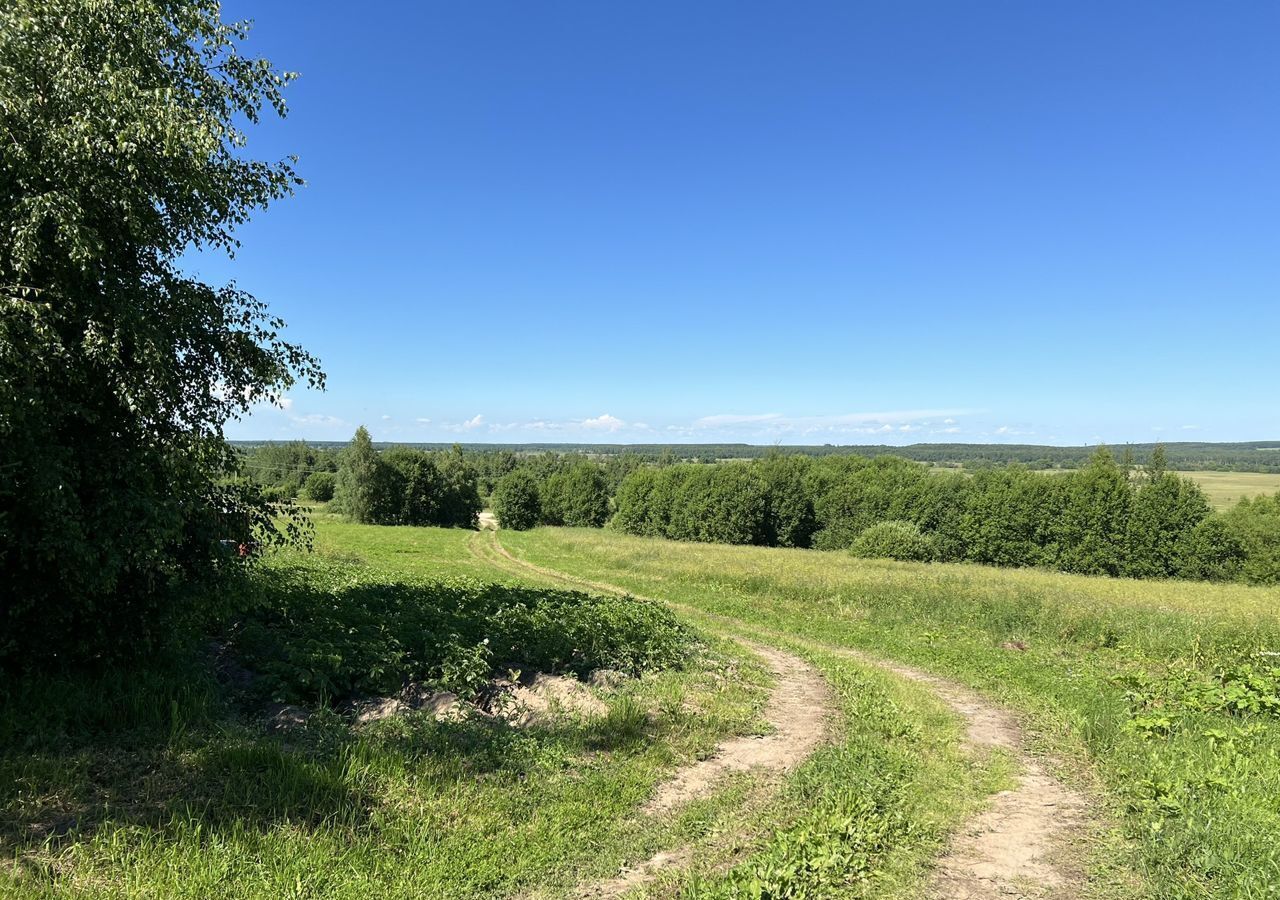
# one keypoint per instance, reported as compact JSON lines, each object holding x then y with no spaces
{"x":798,"y":710}
{"x":1021,"y":845}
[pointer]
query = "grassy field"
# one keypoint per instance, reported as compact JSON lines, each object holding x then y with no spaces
{"x":164,"y":782}
{"x":1165,"y":697}
{"x":1225,"y":488}
{"x":158,"y":784}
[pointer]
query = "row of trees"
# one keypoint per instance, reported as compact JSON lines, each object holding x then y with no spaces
{"x":1106,"y":518}
{"x":403,"y":486}
{"x":576,"y":494}
{"x":1109,"y":518}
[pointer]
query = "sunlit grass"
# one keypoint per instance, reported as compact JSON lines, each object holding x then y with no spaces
{"x":1191,"y":786}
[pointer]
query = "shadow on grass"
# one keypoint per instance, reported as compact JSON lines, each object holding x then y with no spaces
{"x":200,"y":761}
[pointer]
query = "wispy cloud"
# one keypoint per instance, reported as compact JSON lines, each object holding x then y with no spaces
{"x":905,"y":420}
{"x":604,"y":422}
{"x":318,"y":419}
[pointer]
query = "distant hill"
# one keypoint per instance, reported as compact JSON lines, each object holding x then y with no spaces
{"x":1248,"y":456}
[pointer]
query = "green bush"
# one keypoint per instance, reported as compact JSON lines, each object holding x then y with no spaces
{"x":320,"y":486}
{"x":405,"y":486}
{"x":516,"y":501}
{"x":1256,"y":525}
{"x":324,"y":630}
{"x":578,"y":497}
{"x":894,"y":539}
{"x":1211,"y":552}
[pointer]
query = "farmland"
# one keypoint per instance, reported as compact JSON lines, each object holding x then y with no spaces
{"x":1224,"y":488}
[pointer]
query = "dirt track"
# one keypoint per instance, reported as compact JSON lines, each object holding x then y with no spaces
{"x":1021,"y":845}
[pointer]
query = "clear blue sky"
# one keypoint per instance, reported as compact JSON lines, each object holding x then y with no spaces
{"x":843,"y":222}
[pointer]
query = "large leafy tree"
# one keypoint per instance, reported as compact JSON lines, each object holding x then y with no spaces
{"x":121,"y":148}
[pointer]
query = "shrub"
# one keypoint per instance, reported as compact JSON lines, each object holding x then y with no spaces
{"x":894,"y":539}
{"x":325,"y":630}
{"x":516,"y":502}
{"x":1211,"y":551}
{"x":319,"y":486}
{"x":578,"y":497}
{"x":1256,"y":525}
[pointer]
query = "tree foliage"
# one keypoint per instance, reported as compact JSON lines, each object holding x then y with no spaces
{"x":122,"y":150}
{"x":516,"y":501}
{"x":894,"y":539}
{"x":1108,"y":518}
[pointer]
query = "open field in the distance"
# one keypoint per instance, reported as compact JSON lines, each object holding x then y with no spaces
{"x":1225,"y":488}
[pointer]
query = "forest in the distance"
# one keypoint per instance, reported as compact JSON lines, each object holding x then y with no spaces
{"x":1242,"y":456}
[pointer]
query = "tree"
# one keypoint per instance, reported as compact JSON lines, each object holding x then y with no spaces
{"x":368,"y":488}
{"x":791,"y":521}
{"x":319,"y":486}
{"x":1091,"y":529}
{"x":419,"y":487}
{"x":578,"y":497}
{"x":123,"y":150}
{"x":1211,"y":552}
{"x":459,"y":502}
{"x":515,"y":501}
{"x":1165,"y":510}
{"x":1256,"y":526}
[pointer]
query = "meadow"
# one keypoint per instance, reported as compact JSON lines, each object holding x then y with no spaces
{"x":177,"y":779}
{"x":1225,"y":488}
{"x":1163,"y":698}
{"x":1158,"y":701}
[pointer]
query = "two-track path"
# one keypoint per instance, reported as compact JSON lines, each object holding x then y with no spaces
{"x":1022,"y":845}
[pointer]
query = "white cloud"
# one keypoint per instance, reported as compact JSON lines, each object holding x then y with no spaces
{"x":422,"y":421}
{"x":603,"y":422}
{"x":1190,"y":427}
{"x":728,"y":419}
{"x":850,"y":423}
{"x":386,"y":418}
{"x":318,"y":419}
{"x":948,"y":421}
{"x":473,"y":423}
{"x":285,"y":403}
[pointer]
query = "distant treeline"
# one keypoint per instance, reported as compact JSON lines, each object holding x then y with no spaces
{"x":1252,"y":456}
{"x":1107,"y":516}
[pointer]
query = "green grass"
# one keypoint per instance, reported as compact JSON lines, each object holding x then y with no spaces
{"x":159,"y":783}
{"x":162,"y":782}
{"x":1155,"y":693}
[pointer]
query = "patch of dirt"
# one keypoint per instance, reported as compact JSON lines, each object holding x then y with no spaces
{"x":797,"y":710}
{"x":487,"y":521}
{"x":1018,"y":846}
{"x":539,"y":699}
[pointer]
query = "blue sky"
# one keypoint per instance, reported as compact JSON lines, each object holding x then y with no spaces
{"x":845,"y":222}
